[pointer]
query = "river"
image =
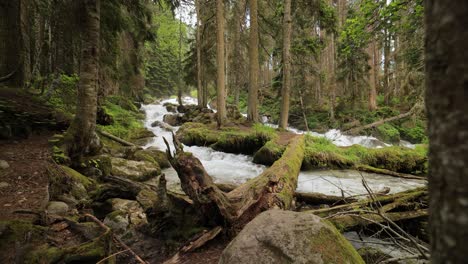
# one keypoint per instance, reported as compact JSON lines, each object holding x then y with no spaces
{"x":238,"y":168}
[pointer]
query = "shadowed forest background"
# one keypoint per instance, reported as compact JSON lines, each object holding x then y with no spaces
{"x":142,"y":131}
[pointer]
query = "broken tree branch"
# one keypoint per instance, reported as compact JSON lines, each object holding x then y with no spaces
{"x":412,"y":111}
{"x":116,"y":139}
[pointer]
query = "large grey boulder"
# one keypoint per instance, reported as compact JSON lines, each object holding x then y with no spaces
{"x":134,"y":170}
{"x":277,"y":236}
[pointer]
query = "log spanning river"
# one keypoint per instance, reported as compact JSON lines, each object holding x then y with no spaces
{"x":237,"y":168}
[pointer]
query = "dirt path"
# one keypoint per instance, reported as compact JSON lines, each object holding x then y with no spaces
{"x":25,"y":183}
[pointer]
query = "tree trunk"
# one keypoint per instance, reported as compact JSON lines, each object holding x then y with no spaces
{"x":252,"y":111}
{"x":274,"y":188}
{"x":10,"y":54}
{"x":386,"y":83}
{"x":221,"y":96}
{"x":446,"y":98}
{"x":199,"y":68}
{"x":25,"y":41}
{"x":372,"y":82}
{"x":286,"y":90}
{"x":82,"y":138}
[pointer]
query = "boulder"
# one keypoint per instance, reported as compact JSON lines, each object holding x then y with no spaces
{"x":162,"y":125}
{"x":132,"y":209}
{"x":171,"y":108}
{"x":173,"y":120}
{"x":158,"y":155}
{"x":277,"y":236}
{"x":4,"y":165}
{"x":134,"y":170}
{"x":57,"y":208}
{"x":117,"y":221}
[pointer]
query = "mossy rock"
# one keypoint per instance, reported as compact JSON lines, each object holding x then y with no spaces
{"x":134,"y":170}
{"x":374,"y":255}
{"x":69,"y":181}
{"x":160,"y":157}
{"x":152,"y":155}
{"x":147,"y":199}
{"x":277,"y":236}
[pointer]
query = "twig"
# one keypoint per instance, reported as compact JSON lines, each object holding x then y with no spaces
{"x":113,"y":255}
{"x":419,"y":247}
{"x":392,"y":260}
{"x":122,"y":244}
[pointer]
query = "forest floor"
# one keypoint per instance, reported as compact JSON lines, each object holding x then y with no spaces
{"x":24,"y":184}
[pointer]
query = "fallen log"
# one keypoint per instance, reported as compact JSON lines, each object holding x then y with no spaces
{"x":274,"y":188}
{"x":349,"y":221}
{"x":412,"y":111}
{"x":380,"y":201}
{"x":116,"y":139}
{"x":371,"y":169}
{"x":308,"y":198}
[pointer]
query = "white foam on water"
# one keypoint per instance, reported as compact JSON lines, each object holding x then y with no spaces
{"x":237,"y":168}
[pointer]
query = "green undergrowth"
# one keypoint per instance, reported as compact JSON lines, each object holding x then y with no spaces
{"x":322,"y":153}
{"x":127,"y":119}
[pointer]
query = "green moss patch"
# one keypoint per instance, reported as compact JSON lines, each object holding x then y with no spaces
{"x":322,"y":153}
{"x":245,"y":140}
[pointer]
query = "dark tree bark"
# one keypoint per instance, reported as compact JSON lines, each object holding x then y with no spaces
{"x":220,"y":81}
{"x":10,"y":43}
{"x":286,"y":89}
{"x":82,"y":138}
{"x":199,"y":63}
{"x":447,"y":107}
{"x":252,"y":110}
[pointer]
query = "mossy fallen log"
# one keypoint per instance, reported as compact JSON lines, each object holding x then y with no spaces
{"x":274,"y":188}
{"x":350,"y":221}
{"x":307,"y":198}
{"x":370,"y":169}
{"x":240,"y":140}
{"x":380,"y":201}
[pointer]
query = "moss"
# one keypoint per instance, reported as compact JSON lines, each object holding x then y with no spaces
{"x":322,"y":153}
{"x":18,"y":231}
{"x":372,"y":255}
{"x":126,"y":122}
{"x":78,"y":177}
{"x":269,"y":153}
{"x":388,"y":133}
{"x":114,"y":214}
{"x":227,"y":139}
{"x":333,"y":247}
{"x":45,"y":254}
{"x":414,"y":130}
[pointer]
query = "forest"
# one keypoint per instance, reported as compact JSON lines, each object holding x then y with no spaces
{"x":233,"y":131}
